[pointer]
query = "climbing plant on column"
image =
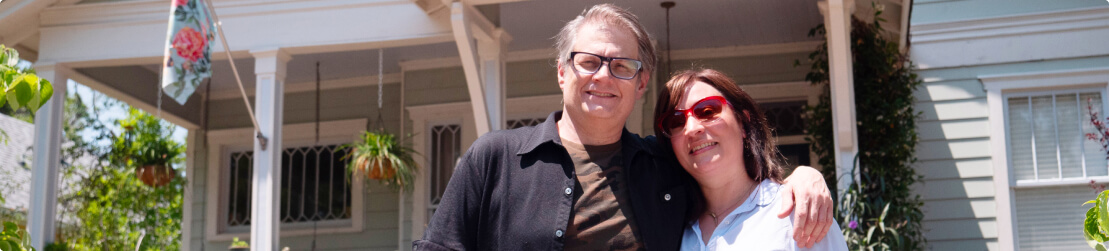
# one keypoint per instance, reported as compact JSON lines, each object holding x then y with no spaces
{"x":879,"y":211}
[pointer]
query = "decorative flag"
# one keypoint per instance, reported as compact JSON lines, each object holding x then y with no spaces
{"x":188,"y":49}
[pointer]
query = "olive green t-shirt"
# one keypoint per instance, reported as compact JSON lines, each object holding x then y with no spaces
{"x":602,"y":217}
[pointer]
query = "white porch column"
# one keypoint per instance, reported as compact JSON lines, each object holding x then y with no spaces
{"x":192,"y":149}
{"x":837,"y":22}
{"x":44,"y":166}
{"x":481,"y":47}
{"x":265,"y":225}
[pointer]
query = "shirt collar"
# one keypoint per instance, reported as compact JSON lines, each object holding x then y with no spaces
{"x":547,"y":132}
{"x":765,"y":194}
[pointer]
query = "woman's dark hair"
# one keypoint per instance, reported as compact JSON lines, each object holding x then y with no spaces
{"x":760,"y":155}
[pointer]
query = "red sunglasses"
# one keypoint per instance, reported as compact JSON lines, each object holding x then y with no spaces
{"x":706,"y":109}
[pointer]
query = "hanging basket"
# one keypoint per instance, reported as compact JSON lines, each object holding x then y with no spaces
{"x":378,"y":170}
{"x":379,"y":156}
{"x":155,"y":175}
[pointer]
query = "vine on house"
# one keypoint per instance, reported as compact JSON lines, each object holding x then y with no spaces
{"x":879,"y":211}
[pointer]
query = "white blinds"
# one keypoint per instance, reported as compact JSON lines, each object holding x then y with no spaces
{"x":1047,"y":136}
{"x":1050,"y":218}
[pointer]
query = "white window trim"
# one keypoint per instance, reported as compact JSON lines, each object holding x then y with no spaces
{"x":425,"y":116}
{"x":222,"y":142}
{"x":997,"y":87}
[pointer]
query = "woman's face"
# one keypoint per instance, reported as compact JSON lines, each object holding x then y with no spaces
{"x":712,"y":147}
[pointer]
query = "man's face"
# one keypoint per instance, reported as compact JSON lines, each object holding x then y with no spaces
{"x":601,"y":96}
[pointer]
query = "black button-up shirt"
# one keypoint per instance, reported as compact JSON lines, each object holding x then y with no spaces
{"x":509,"y":192}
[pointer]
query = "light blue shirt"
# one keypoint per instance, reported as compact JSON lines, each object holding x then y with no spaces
{"x":755,"y":225}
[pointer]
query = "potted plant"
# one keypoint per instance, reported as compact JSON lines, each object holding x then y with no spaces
{"x":147,"y":146}
{"x":379,"y":156}
{"x":237,"y":245}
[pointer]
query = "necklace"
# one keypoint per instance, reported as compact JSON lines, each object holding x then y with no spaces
{"x":714,"y":215}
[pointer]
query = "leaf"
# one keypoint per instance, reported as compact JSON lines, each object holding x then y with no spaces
{"x":1103,"y":211}
{"x":19,"y":92}
{"x":45,"y":90}
{"x":1090,"y":230}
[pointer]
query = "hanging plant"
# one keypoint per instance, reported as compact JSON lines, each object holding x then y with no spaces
{"x":145,"y":145}
{"x":378,"y":155}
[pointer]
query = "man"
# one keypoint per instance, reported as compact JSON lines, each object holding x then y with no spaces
{"x":580,"y":181}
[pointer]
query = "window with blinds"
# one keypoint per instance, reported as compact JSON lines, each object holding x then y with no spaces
{"x":1047,"y":136}
{"x":1051,"y":160}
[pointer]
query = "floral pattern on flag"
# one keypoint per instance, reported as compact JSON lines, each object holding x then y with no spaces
{"x":188,"y":49}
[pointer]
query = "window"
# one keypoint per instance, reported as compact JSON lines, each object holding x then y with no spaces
{"x":317,"y":196}
{"x":1047,"y":145}
{"x":315,"y":186}
{"x":517,"y":123}
{"x":1039,"y":154}
{"x":787,"y":125}
{"x":1047,"y":136}
{"x":445,"y":151}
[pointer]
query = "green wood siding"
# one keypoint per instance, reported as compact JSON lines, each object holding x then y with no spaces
{"x":935,"y":11}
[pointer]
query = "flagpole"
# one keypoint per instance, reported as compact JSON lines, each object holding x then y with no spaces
{"x":227,"y":49}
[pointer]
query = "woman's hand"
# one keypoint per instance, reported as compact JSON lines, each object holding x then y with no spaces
{"x":814,"y":205}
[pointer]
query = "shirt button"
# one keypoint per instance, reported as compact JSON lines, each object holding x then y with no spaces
{"x":558,"y":233}
{"x":666,"y":197}
{"x":569,"y":191}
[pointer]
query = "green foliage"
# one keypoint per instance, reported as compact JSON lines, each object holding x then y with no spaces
{"x":104,"y":206}
{"x":21,"y":87}
{"x":379,"y":154}
{"x":12,"y":238}
{"x":236,"y":243}
{"x":879,"y":211}
{"x":1096,"y":226}
{"x":145,"y":141}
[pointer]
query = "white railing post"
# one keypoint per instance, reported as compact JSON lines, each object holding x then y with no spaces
{"x":265,"y":224}
{"x":44,"y":166}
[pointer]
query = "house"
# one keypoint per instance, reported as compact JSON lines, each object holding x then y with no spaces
{"x":453,"y":70}
{"x":14,"y":154}
{"x":1002,"y":150}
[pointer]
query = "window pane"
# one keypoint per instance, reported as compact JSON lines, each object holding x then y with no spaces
{"x":444,"y":155}
{"x":517,"y":123}
{"x":785,"y":117}
{"x":1043,"y":134}
{"x":314,"y":186}
{"x":795,"y":155}
{"x":1096,"y":164}
{"x":1020,"y":138}
{"x":1050,"y":218}
{"x":1070,"y":137}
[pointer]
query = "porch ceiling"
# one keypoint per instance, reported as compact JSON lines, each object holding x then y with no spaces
{"x":695,"y":24}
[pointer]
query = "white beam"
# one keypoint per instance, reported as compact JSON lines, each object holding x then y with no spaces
{"x":265,"y":222}
{"x":481,"y":48}
{"x":15,"y":38}
{"x":461,"y":20}
{"x":483,"y":2}
{"x":306,"y":27}
{"x":837,"y":20}
{"x":44,"y":166}
{"x":491,"y":54}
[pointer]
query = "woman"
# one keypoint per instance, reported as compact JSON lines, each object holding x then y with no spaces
{"x":721,"y":138}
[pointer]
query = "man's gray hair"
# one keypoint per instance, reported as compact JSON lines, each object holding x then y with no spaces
{"x":613,"y":15}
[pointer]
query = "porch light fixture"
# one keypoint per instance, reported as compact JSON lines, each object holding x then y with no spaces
{"x":667,"y":5}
